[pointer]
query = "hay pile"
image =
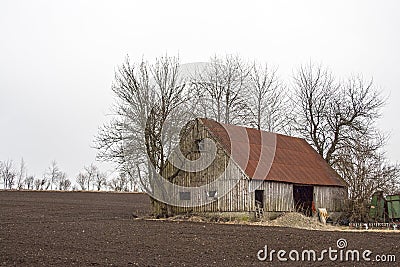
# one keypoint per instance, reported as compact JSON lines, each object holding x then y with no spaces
{"x":199,"y":218}
{"x":290,"y":219}
{"x":187,"y":218}
{"x":296,"y":220}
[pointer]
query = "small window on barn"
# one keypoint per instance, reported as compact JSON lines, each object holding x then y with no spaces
{"x":184,"y":195}
{"x":212,"y":193}
{"x":199,"y":145}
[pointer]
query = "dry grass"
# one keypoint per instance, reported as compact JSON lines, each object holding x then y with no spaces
{"x":290,"y":219}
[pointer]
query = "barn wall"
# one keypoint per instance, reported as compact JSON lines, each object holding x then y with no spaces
{"x":277,"y":196}
{"x":232,"y":176}
{"x":330,"y":197}
{"x":235,"y":200}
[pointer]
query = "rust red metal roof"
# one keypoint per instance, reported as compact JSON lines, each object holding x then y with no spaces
{"x":273,"y":157}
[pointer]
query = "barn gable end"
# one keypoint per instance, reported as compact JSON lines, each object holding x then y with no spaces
{"x":235,"y":181}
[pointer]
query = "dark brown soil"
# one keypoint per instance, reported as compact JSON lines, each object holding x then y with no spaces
{"x":77,"y":228}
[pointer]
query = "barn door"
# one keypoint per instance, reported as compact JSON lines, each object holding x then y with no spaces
{"x":259,"y":198}
{"x":303,"y":198}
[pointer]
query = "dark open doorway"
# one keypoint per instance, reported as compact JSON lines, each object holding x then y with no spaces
{"x":259,"y":198}
{"x":303,"y":197}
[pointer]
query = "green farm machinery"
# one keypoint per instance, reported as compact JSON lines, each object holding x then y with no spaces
{"x":385,"y":209}
{"x":393,"y":207}
{"x":384,"y":213}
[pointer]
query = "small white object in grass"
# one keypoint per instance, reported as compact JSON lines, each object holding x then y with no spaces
{"x":323,"y":215}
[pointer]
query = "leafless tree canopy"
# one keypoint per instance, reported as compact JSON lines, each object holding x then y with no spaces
{"x":230,"y":90}
{"x":222,"y":89}
{"x":29,"y":182}
{"x":366,"y":170}
{"x":329,"y":112}
{"x":91,"y":175}
{"x":151,"y":101}
{"x":54,"y":176}
{"x":100,"y":180}
{"x":338,"y":117}
{"x":268,"y":100}
{"x":119,"y":183}
{"x":21,"y":175}
{"x":91,"y":172}
{"x":8,"y":174}
{"x":81,"y":179}
{"x":154,"y":100}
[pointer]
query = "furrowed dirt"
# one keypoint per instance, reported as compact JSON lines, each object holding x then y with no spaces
{"x":86,"y":229}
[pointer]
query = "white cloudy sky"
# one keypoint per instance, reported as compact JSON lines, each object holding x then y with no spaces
{"x":57,"y":58}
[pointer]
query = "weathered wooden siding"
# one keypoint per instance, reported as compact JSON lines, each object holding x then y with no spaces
{"x":330,"y":197}
{"x":277,"y":196}
{"x":236,"y":199}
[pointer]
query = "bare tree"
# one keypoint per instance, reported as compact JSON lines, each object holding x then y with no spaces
{"x":29,"y":182}
{"x":53,"y":174}
{"x":122,"y":139}
{"x":222,"y":90}
{"x":21,"y":175}
{"x":90,"y":173}
{"x":147,"y":110}
{"x":81,"y":179}
{"x":63,"y":182}
{"x":66,"y":185}
{"x":100,"y":180}
{"x":268,"y":100}
{"x":8,"y":173}
{"x":119,"y":183}
{"x":329,"y":113}
{"x":37,"y":183}
{"x":314,"y":90}
{"x":338,"y":118}
{"x":133,"y":181}
{"x":366,"y":170}
{"x":46,"y":183}
{"x":41,"y":183}
{"x":150,"y":105}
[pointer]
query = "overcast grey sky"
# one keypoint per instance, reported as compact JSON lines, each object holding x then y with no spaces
{"x":57,"y":58}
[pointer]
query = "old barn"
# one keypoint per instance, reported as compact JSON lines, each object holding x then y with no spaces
{"x":255,"y":170}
